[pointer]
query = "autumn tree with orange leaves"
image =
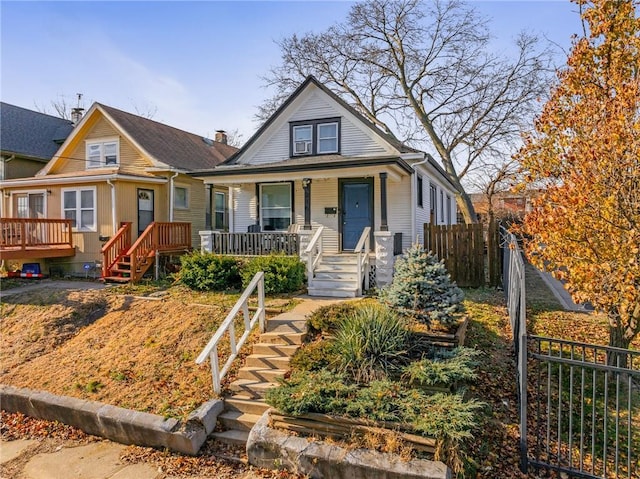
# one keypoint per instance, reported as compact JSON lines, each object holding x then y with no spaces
{"x":585,"y":155}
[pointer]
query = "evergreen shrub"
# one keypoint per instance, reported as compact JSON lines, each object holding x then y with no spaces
{"x":422,"y":290}
{"x":282,"y":274}
{"x":209,"y":272}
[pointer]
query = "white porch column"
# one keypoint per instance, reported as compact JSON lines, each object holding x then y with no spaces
{"x":384,"y":257}
{"x":206,"y":241}
{"x":304,"y":237}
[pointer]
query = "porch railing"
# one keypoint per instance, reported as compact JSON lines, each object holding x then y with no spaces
{"x":362,"y":252}
{"x":115,"y":248}
{"x":255,"y":244}
{"x":24,"y":233}
{"x":211,"y":349}
{"x":313,"y":252}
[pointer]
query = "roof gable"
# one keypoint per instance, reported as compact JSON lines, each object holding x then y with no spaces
{"x":30,"y":133}
{"x":310,"y":101}
{"x":164,"y":146}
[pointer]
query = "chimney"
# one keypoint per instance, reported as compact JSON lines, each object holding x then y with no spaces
{"x":76,"y":113}
{"x":221,"y":136}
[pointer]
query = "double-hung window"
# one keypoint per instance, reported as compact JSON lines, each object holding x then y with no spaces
{"x":275,"y":206}
{"x":102,"y":153}
{"x":180,"y":197}
{"x":315,"y":137}
{"x":220,"y":210}
{"x":79,"y":206}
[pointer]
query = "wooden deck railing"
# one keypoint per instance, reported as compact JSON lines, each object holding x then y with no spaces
{"x":24,"y":234}
{"x":115,"y":248}
{"x":157,"y":237}
{"x":255,"y":244}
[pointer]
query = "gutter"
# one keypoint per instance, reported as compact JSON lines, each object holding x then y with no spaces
{"x":44,"y":180}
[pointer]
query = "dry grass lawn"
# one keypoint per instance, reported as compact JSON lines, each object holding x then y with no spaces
{"x":113,"y":347}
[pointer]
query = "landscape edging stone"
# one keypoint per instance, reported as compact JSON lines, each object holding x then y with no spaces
{"x":115,"y":423}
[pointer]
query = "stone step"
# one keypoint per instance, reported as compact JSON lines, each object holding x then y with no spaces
{"x":232,"y":436}
{"x":283,"y":338}
{"x":274,"y":349}
{"x":286,"y":326}
{"x":238,"y":420}
{"x":267,"y":361}
{"x":334,"y":283}
{"x":251,"y":387}
{"x":333,"y":292}
{"x":261,"y":374}
{"x":246,"y":404}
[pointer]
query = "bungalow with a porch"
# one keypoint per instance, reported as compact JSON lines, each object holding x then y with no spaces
{"x":320,"y":174}
{"x":115,"y":195}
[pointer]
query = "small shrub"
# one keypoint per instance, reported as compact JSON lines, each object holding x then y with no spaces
{"x":422,"y":289}
{"x":209,"y":272}
{"x":313,"y":356}
{"x":282,"y":274}
{"x":445,"y":369}
{"x":326,"y":319}
{"x":370,"y":343}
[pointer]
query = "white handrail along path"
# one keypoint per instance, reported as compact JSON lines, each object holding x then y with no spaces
{"x":362,"y":250}
{"x":211,"y":349}
{"x":314,"y":252}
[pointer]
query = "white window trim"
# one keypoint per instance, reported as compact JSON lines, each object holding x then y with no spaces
{"x":186,"y":197}
{"x":102,"y":142}
{"x":309,"y":148}
{"x":79,"y":209}
{"x":262,"y":206}
{"x":318,"y":138}
{"x":216,"y":211}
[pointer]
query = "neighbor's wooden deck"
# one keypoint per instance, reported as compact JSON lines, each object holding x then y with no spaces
{"x":35,"y":238}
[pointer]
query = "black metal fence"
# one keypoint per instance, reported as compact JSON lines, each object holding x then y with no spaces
{"x":579,"y":403}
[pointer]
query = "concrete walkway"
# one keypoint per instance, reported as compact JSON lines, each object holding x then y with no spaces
{"x":561,"y":294}
{"x":100,"y":460}
{"x":49,"y":283}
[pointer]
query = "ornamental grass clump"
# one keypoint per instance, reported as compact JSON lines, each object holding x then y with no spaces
{"x":423,"y":291}
{"x":370,"y":344}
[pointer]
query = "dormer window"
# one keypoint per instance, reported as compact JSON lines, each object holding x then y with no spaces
{"x":315,"y":137}
{"x":102,"y":153}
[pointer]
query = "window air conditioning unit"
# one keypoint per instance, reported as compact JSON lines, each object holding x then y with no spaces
{"x":301,"y":147}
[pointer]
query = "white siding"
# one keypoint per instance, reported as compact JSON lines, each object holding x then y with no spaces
{"x":356,"y":139}
{"x":324,"y":193}
{"x":398,"y":208}
{"x":244,"y":207}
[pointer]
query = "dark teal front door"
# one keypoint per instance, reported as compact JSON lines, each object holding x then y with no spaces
{"x":356,"y":208}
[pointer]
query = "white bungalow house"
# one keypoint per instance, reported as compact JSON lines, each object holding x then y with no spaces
{"x":353,"y":195}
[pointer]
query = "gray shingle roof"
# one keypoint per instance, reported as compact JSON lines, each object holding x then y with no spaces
{"x":30,"y":133}
{"x":177,"y":148}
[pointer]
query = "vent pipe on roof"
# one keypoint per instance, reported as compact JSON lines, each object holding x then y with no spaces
{"x":221,"y":136}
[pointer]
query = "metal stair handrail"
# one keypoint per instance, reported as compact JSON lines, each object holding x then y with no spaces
{"x":362,"y":252}
{"x":211,"y":349}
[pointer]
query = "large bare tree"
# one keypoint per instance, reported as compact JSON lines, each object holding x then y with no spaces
{"x":425,"y":73}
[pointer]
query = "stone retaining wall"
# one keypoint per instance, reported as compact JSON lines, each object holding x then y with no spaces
{"x":118,"y":424}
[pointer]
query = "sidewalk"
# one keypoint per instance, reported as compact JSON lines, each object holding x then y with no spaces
{"x":49,"y":283}
{"x":561,"y":294}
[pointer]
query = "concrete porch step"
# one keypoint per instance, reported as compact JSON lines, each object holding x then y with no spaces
{"x":271,"y":349}
{"x":232,"y":436}
{"x":333,"y":292}
{"x":261,"y":374}
{"x":339,"y":259}
{"x":238,"y":420}
{"x":336,"y":274}
{"x":267,"y":361}
{"x":283,"y":338}
{"x":334,"y":284}
{"x":286,"y":326}
{"x":251,"y":387}
{"x":246,"y":404}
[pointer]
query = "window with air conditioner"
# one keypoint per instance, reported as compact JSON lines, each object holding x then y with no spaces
{"x":315,"y":137}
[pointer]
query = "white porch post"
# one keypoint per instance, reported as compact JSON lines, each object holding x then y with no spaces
{"x":304,"y":237}
{"x":384,"y":257}
{"x":206,"y":241}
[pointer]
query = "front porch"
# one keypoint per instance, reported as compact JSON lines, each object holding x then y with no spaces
{"x":35,"y":238}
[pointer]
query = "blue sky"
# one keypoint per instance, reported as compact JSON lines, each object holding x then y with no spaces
{"x":196,"y":64}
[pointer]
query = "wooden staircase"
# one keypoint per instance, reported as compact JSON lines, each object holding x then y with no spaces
{"x":269,"y":360}
{"x":124,"y":262}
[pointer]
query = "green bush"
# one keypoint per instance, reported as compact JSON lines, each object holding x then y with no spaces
{"x":422,"y":289}
{"x":326,"y":319}
{"x":370,"y":343}
{"x":209,"y":272}
{"x":313,"y":356}
{"x":282,"y":274}
{"x":445,"y":369}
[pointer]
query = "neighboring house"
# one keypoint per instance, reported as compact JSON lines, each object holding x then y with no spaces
{"x":115,"y":171}
{"x":319,"y":167}
{"x":506,"y":205}
{"x":28,"y":140}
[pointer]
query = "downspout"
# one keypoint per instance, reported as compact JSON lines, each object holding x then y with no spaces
{"x":114,"y":223}
{"x":414,"y":181}
{"x":171,"y":196}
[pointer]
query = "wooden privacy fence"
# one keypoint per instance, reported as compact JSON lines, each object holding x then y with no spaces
{"x":463,"y":249}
